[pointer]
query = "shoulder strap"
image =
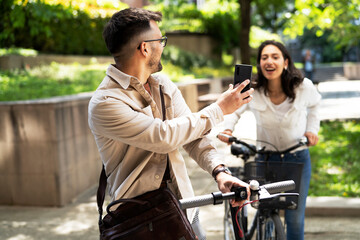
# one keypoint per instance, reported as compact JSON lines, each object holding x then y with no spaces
{"x":162,"y":103}
{"x":100,"y":196}
{"x":167,"y":171}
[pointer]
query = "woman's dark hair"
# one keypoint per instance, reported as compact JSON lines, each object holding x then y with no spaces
{"x":125,"y":24}
{"x":290,"y":78}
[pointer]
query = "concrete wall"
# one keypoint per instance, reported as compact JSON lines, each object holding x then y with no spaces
{"x":47,"y":152}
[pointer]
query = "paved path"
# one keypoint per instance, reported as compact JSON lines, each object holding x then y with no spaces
{"x":78,"y":221}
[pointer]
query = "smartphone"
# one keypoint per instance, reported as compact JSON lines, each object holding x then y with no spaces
{"x":242,"y":72}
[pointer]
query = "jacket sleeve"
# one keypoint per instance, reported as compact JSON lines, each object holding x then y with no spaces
{"x":232,"y":119}
{"x":123,"y":121}
{"x":202,"y":149}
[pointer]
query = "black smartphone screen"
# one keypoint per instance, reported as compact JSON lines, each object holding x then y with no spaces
{"x":242,"y":72}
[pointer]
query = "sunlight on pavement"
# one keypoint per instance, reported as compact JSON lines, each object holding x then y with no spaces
{"x":20,"y":237}
{"x":71,"y":226}
{"x":18,"y":224}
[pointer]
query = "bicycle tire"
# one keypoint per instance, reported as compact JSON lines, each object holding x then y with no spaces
{"x":271,"y":228}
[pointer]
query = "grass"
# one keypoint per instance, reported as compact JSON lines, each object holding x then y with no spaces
{"x":18,"y":51}
{"x":48,"y":81}
{"x":336,"y":160}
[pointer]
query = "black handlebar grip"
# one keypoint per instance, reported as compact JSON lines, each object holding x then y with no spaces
{"x":237,"y":149}
{"x":278,"y":187}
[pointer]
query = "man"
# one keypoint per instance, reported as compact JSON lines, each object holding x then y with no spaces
{"x":125,"y":115}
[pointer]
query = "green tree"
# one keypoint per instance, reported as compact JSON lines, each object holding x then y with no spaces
{"x":269,"y":14}
{"x":245,"y":14}
{"x":342,"y":17}
{"x":5,"y":9}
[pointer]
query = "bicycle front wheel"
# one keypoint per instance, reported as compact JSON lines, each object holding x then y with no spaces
{"x":271,"y":228}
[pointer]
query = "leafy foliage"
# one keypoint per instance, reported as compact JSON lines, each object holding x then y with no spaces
{"x":75,"y":27}
{"x":336,"y":160}
{"x":341,"y":16}
{"x":223,"y":23}
{"x":268,"y":14}
{"x":52,"y":28}
{"x":220,"y":19}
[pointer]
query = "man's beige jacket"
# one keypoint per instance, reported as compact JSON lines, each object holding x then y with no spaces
{"x":133,"y":140}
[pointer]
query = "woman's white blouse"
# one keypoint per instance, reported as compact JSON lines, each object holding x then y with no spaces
{"x":286,"y":131}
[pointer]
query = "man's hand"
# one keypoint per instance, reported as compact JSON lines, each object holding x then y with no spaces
{"x":226,"y":182}
{"x":232,"y":99}
{"x":312,"y":138}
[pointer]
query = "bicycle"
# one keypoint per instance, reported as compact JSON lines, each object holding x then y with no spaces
{"x":260,"y":194}
{"x":267,"y":222}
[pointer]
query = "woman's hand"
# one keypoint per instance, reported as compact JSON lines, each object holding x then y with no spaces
{"x":312,"y":138}
{"x":224,"y":138}
{"x":226,"y":182}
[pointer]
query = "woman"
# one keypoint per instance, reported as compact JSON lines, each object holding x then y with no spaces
{"x":285,"y":106}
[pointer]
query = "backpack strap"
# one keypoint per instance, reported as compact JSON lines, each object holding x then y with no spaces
{"x":167,"y":171}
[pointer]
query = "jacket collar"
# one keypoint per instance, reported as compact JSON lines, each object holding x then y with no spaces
{"x":126,"y":80}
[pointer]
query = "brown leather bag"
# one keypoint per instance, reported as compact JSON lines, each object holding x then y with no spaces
{"x":153,"y":215}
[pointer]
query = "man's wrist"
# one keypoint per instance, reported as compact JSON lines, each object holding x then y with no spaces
{"x":219,"y":169}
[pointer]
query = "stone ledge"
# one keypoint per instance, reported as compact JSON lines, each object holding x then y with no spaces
{"x":332,"y":206}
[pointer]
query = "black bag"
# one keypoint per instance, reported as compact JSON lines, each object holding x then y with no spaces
{"x":153,"y":215}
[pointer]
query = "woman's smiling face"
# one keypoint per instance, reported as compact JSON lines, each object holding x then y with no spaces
{"x":272,"y":62}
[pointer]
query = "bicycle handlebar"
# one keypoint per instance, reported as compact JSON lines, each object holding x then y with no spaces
{"x":208,"y":199}
{"x":302,"y":142}
{"x":277,"y":187}
{"x":265,"y":192}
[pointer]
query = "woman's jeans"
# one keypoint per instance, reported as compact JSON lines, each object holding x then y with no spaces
{"x":295,"y":218}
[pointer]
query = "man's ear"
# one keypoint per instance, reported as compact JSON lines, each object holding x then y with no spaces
{"x":143,"y":48}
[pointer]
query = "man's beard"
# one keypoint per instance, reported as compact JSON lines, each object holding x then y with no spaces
{"x":155,"y":66}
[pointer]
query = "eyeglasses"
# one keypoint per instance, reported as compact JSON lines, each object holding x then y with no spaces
{"x":162,"y":40}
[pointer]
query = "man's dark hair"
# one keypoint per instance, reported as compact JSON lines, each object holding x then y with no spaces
{"x":290,"y":78}
{"x":126,"y":24}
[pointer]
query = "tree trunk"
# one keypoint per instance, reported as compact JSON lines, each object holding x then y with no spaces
{"x":245,"y":13}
